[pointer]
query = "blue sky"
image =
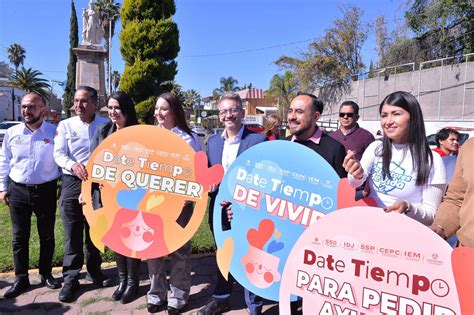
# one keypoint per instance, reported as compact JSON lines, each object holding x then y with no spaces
{"x":213,"y":34}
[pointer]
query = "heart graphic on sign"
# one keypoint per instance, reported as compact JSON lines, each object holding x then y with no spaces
{"x":101,"y":228}
{"x":258,"y":238}
{"x":274,"y":246}
{"x":224,"y":256}
{"x":206,"y":176}
{"x":346,"y":197}
{"x":462,"y":260}
{"x":154,"y":201}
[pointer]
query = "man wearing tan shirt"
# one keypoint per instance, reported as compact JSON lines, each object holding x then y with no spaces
{"x":456,"y":212}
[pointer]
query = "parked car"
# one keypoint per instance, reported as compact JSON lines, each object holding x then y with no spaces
{"x":4,"y":126}
{"x":255,"y":127}
{"x":201,"y":132}
{"x":216,"y":131}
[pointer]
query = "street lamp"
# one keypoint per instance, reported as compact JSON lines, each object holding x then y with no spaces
{"x":110,"y":18}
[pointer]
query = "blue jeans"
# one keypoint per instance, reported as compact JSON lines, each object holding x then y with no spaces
{"x":223,"y":290}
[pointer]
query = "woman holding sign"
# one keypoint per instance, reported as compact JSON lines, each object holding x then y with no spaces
{"x":403,"y":174}
{"x":122,"y":114}
{"x":169,"y":114}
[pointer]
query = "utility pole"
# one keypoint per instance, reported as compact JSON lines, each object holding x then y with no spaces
{"x":13,"y":104}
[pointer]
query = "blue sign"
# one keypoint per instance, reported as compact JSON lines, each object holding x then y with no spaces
{"x":277,"y":189}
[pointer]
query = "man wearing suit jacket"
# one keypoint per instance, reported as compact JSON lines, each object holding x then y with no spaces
{"x":224,"y":149}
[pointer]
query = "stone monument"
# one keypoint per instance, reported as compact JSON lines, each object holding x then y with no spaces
{"x":90,"y":53}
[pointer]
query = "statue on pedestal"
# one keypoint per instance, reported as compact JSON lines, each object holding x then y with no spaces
{"x":92,"y":32}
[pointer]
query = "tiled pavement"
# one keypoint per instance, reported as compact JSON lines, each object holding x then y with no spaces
{"x":41,"y":300}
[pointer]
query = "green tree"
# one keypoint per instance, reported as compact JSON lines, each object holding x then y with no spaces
{"x":30,"y":80}
{"x":334,"y":57}
{"x":371,"y":73}
{"x":177,"y":90}
{"x":284,"y":88}
{"x":16,"y":55}
{"x":109,"y":13}
{"x":115,"y":80}
{"x":442,"y":28}
{"x":228,"y":84}
{"x":149,"y":45}
{"x":191,"y":98}
{"x":70,"y":89}
{"x":445,"y":27}
{"x":382,"y":40}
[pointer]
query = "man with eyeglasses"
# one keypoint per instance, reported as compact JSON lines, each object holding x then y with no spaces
{"x":304,"y":112}
{"x":223,"y":149}
{"x":28,"y":184}
{"x":72,"y":149}
{"x":352,"y":136}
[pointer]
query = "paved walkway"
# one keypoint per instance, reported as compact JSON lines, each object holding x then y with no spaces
{"x":41,"y":300}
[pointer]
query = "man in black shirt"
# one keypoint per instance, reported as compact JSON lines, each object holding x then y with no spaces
{"x":304,"y":112}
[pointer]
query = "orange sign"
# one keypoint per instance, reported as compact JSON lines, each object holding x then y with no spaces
{"x":153,"y":190}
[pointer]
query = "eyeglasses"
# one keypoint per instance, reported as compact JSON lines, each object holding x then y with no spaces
{"x":231,"y":111}
{"x":30,"y":107}
{"x":349,"y":115}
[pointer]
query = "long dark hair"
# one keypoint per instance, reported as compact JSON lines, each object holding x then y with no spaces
{"x":127,"y":107}
{"x":422,"y":156}
{"x":178,"y":111}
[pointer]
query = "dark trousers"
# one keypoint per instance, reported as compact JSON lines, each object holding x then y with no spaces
{"x":223,"y":287}
{"x":75,"y":229}
{"x":128,"y":267}
{"x":23,"y":201}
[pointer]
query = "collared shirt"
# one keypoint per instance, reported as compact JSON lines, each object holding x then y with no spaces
{"x":193,"y":141}
{"x":231,"y":148}
{"x":27,"y":156}
{"x":72,"y":143}
{"x":345,"y":133}
{"x":316,"y":137}
{"x":440,"y":152}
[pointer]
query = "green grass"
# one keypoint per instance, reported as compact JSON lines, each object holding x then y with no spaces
{"x":201,"y":242}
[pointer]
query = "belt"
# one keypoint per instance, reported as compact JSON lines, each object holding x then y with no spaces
{"x":34,"y":186}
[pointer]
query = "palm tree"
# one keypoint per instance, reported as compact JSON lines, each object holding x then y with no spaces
{"x":227,"y":85}
{"x":284,"y":88}
{"x":115,"y":80}
{"x":16,"y":55}
{"x":109,"y":13}
{"x":191,"y":98}
{"x":29,"y":80}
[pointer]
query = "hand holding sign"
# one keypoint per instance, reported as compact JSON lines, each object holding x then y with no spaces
{"x":143,"y":178}
{"x":209,"y":178}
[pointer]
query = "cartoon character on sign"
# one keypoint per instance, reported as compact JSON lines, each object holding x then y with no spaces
{"x":133,"y":232}
{"x":134,"y":183}
{"x":261,"y":267}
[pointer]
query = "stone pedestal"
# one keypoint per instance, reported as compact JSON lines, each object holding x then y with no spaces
{"x":90,"y":69}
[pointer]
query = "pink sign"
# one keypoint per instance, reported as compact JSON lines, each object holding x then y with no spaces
{"x":362,"y":260}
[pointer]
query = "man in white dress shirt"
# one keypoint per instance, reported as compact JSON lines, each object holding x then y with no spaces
{"x":72,"y":149}
{"x":28,"y":184}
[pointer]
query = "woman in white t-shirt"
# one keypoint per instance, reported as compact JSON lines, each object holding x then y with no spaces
{"x":403,"y":174}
